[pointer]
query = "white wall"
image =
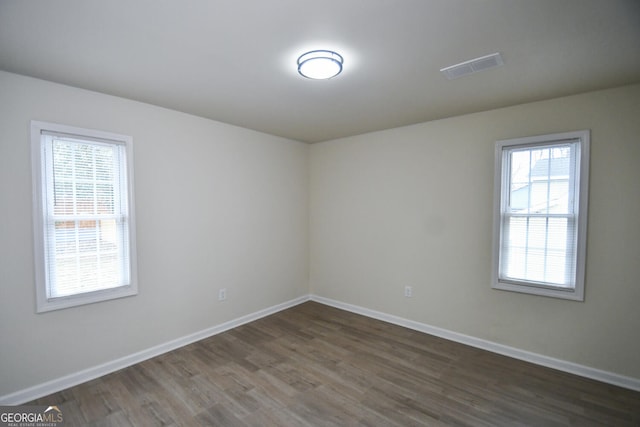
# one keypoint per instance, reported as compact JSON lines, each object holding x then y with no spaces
{"x":413,"y":206}
{"x":217,"y":206}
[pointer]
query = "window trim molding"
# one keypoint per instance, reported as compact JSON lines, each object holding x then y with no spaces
{"x":577,"y":293}
{"x":44,"y":304}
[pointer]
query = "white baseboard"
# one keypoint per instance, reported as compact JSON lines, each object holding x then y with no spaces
{"x":538,"y":359}
{"x":89,"y":374}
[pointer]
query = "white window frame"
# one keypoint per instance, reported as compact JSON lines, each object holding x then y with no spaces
{"x":580,"y":191}
{"x":40,"y":179}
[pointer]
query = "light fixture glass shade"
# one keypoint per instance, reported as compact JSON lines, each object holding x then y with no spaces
{"x":320,"y":64}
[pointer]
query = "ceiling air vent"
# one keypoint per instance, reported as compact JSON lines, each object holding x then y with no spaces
{"x":472,"y":66}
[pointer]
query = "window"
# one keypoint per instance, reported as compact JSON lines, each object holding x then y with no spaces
{"x":83,"y":216}
{"x":540,"y":220}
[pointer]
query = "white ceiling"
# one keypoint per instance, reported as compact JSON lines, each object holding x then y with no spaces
{"x":235,"y":61}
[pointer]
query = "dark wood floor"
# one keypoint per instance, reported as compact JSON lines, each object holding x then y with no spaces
{"x":314,"y":365}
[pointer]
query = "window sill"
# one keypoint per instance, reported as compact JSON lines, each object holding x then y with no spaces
{"x":546,"y":291}
{"x":44,"y":305}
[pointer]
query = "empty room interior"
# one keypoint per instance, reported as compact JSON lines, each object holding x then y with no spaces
{"x":412,"y":212}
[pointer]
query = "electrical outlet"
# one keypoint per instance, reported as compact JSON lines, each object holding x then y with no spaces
{"x":408,"y":291}
{"x":222,"y":294}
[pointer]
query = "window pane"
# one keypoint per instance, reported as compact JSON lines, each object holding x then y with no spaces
{"x":109,"y":235}
{"x":83,"y":161}
{"x":63,"y":202}
{"x":538,"y":249}
{"x":65,"y":238}
{"x":62,"y":160}
{"x":104,"y":162}
{"x":87,"y":257}
{"x":87,"y":237}
{"x":109,"y":270}
{"x":84,"y":173}
{"x":85,"y":203}
{"x":66,"y":277}
{"x":105,"y":197}
{"x":539,"y":180}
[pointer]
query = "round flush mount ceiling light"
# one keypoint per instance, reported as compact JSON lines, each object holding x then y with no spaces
{"x":320,"y":64}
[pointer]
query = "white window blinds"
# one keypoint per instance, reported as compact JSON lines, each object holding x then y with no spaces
{"x":86,"y":215}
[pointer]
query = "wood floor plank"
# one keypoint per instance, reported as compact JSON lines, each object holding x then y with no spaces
{"x":314,"y":365}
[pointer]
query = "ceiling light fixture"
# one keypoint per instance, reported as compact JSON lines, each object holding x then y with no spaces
{"x":320,"y":64}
